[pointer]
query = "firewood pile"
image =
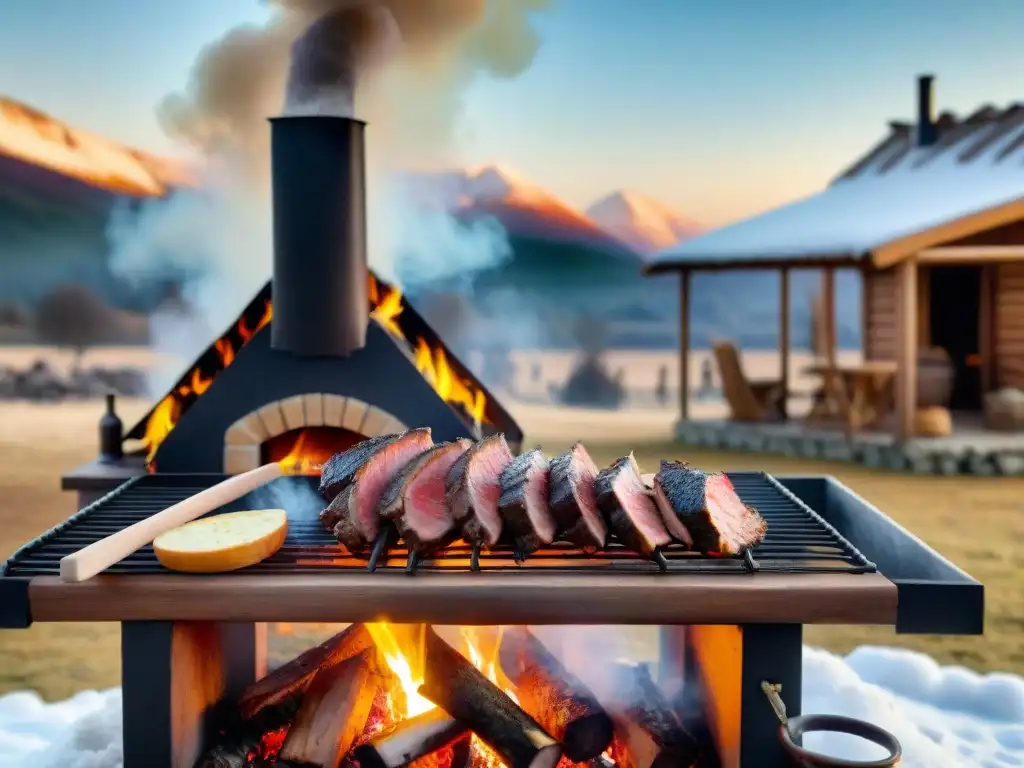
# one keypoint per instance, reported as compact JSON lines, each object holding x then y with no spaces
{"x":42,"y":382}
{"x":363,"y":700}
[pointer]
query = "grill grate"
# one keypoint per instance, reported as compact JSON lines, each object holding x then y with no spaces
{"x":798,"y":539}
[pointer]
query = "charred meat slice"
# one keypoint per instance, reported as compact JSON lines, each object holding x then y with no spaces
{"x":415,"y":498}
{"x":355,"y":507}
{"x":714,"y":518}
{"x":573,"y":499}
{"x":474,"y":487}
{"x":524,"y":502}
{"x":629,"y":509}
{"x":339,"y":470}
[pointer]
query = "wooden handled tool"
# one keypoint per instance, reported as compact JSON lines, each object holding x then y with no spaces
{"x":100,"y":555}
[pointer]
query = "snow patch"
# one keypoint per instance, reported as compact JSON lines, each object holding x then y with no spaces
{"x":943,"y":716}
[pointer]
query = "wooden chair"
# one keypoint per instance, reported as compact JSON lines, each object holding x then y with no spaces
{"x":748,"y":400}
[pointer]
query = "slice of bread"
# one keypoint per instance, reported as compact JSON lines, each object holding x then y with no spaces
{"x":223,"y":542}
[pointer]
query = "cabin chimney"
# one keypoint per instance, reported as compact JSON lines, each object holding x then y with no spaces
{"x":318,"y":185}
{"x":927,"y":132}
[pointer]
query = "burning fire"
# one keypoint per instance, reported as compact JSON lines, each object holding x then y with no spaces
{"x":386,"y":307}
{"x":407,"y":665}
{"x":303,"y":452}
{"x":431,"y":362}
{"x":165,"y":415}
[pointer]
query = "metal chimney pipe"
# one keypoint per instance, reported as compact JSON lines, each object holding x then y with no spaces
{"x":318,"y":169}
{"x":927,"y":131}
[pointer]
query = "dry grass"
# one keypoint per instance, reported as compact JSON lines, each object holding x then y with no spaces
{"x":978,"y":523}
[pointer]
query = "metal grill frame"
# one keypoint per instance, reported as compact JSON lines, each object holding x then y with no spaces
{"x":817,"y":547}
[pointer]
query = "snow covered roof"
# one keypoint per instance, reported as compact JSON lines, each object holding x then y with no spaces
{"x":885,"y":200}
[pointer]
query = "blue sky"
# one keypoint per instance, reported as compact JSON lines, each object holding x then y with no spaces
{"x":720,"y":107}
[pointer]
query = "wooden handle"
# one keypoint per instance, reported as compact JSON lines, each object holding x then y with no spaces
{"x":100,"y":555}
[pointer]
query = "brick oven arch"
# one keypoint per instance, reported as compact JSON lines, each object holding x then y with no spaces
{"x":244,"y":438}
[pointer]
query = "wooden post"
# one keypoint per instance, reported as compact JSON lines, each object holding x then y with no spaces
{"x":867,"y":353}
{"x":906,"y":348}
{"x":986,"y":328}
{"x":173,"y":675}
{"x":828,"y":299}
{"x":784,"y":338}
{"x":684,"y":344}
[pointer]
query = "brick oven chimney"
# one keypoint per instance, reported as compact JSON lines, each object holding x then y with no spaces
{"x":927,"y":133}
{"x":320,"y":269}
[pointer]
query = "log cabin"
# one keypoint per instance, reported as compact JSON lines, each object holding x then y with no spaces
{"x":932,"y":216}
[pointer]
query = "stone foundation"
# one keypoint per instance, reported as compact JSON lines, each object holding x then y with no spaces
{"x":954,"y":455}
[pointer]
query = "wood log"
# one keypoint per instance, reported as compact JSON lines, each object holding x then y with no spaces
{"x":554,"y":696}
{"x":411,"y":740}
{"x":292,"y":679}
{"x":641,"y":702}
{"x":333,"y":714}
{"x":460,"y":689}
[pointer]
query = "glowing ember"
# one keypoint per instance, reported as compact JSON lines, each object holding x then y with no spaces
{"x":270,"y":745}
{"x":452,"y":383}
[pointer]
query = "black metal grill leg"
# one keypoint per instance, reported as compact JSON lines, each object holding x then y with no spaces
{"x":172,"y":676}
{"x":772,"y":652}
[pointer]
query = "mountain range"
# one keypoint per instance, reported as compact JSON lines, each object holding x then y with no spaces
{"x":58,"y":184}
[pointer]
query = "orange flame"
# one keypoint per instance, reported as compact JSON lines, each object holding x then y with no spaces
{"x":386,"y":307}
{"x":165,"y":415}
{"x":310,"y":447}
{"x":407,"y":665}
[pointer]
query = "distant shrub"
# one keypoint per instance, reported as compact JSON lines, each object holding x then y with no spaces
{"x":13,"y":315}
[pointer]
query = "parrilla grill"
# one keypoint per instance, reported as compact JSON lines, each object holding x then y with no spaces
{"x":798,"y":539}
{"x":304,"y":364}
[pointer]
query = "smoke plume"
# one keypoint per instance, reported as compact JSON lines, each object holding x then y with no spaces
{"x":401,"y":65}
{"x":409,"y":61}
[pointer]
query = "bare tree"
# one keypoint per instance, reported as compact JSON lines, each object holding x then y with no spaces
{"x":73,"y":317}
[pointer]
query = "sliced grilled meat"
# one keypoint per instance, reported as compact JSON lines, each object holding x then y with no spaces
{"x":338,"y":471}
{"x":474,"y":487}
{"x":415,"y":498}
{"x":629,"y":509}
{"x":573,"y":499}
{"x":355,"y":508}
{"x":715,"y":519}
{"x":524,"y":502}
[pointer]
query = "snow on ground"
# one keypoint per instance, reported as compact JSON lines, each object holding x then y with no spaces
{"x":944,"y":716}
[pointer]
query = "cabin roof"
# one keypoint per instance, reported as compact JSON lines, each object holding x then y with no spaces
{"x":895,"y":199}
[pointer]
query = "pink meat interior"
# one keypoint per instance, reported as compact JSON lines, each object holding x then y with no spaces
{"x":632,"y":494}
{"x":537,"y":501}
{"x":374,"y":476}
{"x":585,"y":491}
{"x":669,"y":517}
{"x":737,"y":525}
{"x":484,"y":483}
{"x":425,"y":504}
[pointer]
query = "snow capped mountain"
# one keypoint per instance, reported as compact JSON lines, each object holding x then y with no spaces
{"x":523,"y":207}
{"x":646,"y":224}
{"x":36,"y":139}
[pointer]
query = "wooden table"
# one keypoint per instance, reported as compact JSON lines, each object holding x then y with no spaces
{"x":859,"y":395}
